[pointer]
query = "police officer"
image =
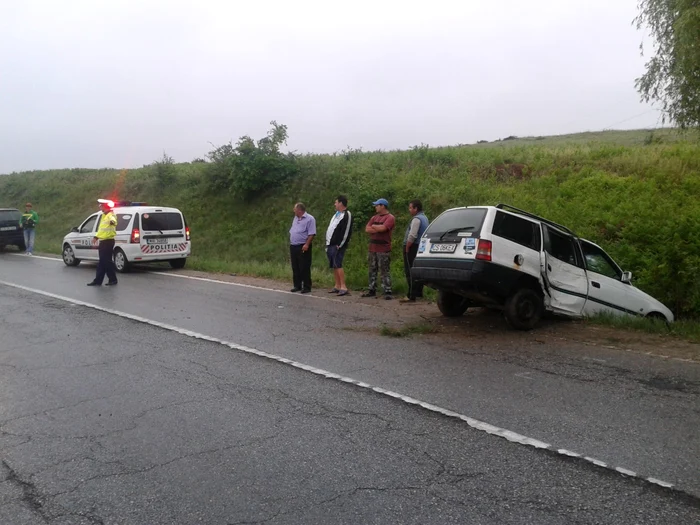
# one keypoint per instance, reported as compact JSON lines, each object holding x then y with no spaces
{"x":106,"y":232}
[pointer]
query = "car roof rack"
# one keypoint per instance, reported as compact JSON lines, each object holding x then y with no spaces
{"x":508,"y":207}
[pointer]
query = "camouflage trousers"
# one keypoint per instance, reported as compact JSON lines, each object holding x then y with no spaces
{"x":380,"y":262}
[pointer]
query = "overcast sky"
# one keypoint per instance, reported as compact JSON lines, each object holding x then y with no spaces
{"x":115,"y":83}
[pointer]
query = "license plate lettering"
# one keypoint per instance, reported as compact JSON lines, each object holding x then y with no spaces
{"x":8,"y":228}
{"x":157,"y":241}
{"x":443,"y":248}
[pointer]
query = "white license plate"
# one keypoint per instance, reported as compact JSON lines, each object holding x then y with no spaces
{"x":157,"y":241}
{"x":443,"y":248}
{"x":8,"y":228}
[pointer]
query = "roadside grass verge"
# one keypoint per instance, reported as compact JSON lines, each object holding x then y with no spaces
{"x":408,"y":330}
{"x":684,"y":329}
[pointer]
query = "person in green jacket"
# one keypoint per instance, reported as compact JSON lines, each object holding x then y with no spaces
{"x":28,"y":222}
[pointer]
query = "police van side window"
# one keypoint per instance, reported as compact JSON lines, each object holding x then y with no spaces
{"x":123,"y":221}
{"x":89,"y":225}
{"x":516,"y":229}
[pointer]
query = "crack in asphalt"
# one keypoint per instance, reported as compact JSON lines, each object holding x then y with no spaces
{"x":30,"y":495}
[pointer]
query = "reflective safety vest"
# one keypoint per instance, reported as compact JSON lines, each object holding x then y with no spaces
{"x":108,"y":227}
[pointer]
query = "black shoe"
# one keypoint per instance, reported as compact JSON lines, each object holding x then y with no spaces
{"x":94,"y":283}
{"x":388,"y":297}
{"x":306,"y":290}
{"x":369,"y":294}
{"x":294,"y":290}
{"x":112,"y":283}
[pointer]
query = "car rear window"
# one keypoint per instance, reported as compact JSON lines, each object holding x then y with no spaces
{"x":159,"y":221}
{"x":517,"y":229}
{"x":455,"y":221}
{"x":10,"y":215}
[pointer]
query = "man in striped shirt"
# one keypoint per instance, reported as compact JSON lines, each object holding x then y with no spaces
{"x":337,"y":239}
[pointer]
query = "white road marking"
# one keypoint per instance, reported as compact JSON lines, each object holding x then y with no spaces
{"x":208,"y":280}
{"x":595,"y":359}
{"x":370,"y":304}
{"x":524,"y":375}
{"x":474,"y":423}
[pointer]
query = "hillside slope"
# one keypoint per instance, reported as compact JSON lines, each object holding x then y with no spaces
{"x":635,"y":193}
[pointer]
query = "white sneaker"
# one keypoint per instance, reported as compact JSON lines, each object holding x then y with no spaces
{"x":29,"y":253}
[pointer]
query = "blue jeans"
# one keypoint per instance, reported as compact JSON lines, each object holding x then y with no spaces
{"x":29,"y":235}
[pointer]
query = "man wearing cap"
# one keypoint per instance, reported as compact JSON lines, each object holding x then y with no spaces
{"x":28,"y":222}
{"x":106,"y":232}
{"x":379,"y":228}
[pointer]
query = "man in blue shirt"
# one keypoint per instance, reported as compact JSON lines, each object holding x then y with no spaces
{"x":301,"y":234}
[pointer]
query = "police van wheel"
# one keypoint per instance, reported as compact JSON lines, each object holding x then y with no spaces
{"x":451,"y":304}
{"x":121,"y":263}
{"x":69,"y":257}
{"x":523,"y":310}
{"x":177,"y":263}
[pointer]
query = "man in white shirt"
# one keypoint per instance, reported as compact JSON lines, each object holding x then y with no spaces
{"x":337,"y":239}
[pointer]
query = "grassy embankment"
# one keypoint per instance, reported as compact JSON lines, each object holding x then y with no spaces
{"x":638,"y":198}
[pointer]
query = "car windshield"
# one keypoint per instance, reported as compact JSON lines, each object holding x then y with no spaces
{"x":453,"y":222}
{"x":161,"y":221}
{"x":9,"y":216}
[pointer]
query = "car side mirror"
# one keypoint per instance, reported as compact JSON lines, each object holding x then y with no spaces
{"x":74,"y":229}
{"x":626,"y":277}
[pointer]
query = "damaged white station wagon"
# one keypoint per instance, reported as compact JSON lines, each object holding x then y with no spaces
{"x":508,"y":258}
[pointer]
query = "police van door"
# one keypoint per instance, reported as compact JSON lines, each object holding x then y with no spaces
{"x":566,"y":284}
{"x":86,"y":247}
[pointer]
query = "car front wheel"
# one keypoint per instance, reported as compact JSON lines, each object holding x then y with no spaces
{"x":121,"y":263}
{"x":451,"y":304}
{"x":523,"y":309}
{"x":69,"y":258}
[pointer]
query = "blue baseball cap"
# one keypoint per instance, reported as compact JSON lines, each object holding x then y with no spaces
{"x":381,"y":201}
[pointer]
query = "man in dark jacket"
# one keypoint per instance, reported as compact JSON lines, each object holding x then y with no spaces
{"x":337,"y":239}
{"x":411,"y":240}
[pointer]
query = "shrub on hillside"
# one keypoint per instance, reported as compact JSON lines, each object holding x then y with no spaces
{"x":249,"y":167}
{"x":164,"y":171}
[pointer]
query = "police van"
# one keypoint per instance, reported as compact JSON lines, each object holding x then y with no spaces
{"x":145,"y":234}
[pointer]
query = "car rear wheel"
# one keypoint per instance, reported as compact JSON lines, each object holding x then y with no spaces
{"x":657,"y":316}
{"x":451,"y":304}
{"x":523,"y":310}
{"x":69,"y":258}
{"x":121,"y":263}
{"x":177,"y":263}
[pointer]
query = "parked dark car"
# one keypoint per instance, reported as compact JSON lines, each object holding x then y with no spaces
{"x":10,"y":232}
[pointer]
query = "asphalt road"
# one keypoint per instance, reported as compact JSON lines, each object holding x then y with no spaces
{"x":632,"y":411}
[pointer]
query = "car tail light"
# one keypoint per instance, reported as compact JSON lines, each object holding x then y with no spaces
{"x":483,"y":253}
{"x":135,"y":236}
{"x":187,"y":233}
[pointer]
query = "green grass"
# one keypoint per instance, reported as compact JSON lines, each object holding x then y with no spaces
{"x":635,"y":193}
{"x":685,"y":329}
{"x":408,"y":330}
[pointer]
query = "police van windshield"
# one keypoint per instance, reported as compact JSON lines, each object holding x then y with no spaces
{"x":161,"y":221}
{"x":452,"y":222}
{"x":10,"y":215}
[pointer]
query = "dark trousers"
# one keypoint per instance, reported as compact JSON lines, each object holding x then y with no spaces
{"x":414,"y":289}
{"x":301,"y":266}
{"x":106,"y":264}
